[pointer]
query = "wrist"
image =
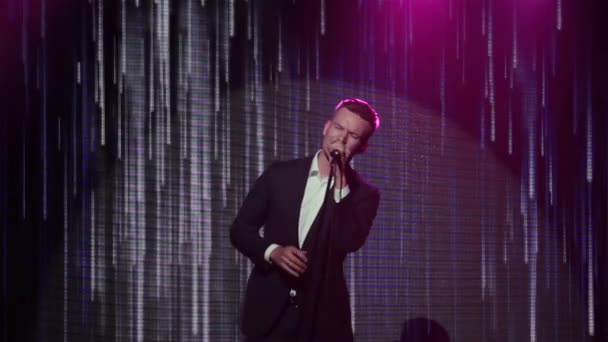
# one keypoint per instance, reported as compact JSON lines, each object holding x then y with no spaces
{"x":269,"y":251}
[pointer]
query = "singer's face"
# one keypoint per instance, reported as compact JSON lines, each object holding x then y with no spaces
{"x":345,"y":132}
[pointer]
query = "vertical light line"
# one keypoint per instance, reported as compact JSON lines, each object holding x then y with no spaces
{"x":43,"y":21}
{"x":559,"y":15}
{"x":514,"y":51}
{"x":551,"y":184}
{"x":156,"y":115}
{"x":410,"y":21}
{"x":231,"y":18}
{"x":458,"y":37}
{"x":66,"y":297}
{"x":542,"y":132}
{"x":590,"y":267}
{"x":249,"y":20}
{"x":482,"y":125}
{"x":201,"y":107}
{"x":464,"y":23}
{"x":543,"y":80}
{"x":491,"y":73}
{"x":530,"y":112}
{"x":352,"y":291}
{"x":119,"y":127}
{"x":44,"y":118}
{"x":218,"y":29}
{"x":510,"y":109}
{"x":575,"y":99}
{"x":166,"y":61}
{"x":564,"y":241}
{"x":24,"y":42}
{"x":23,"y":121}
{"x":589,"y":144}
{"x":75,"y":97}
{"x":275,"y":127}
{"x":525,"y":218}
{"x":485,"y":82}
{"x":93,"y":271}
{"x":259,"y":92}
{"x":115,"y":60}
{"x":590,"y":261}
{"x":531,"y":156}
{"x":442,"y":91}
{"x":307,"y":82}
{"x":450,"y":9}
{"x":425,"y":225}
{"x":322,"y":17}
{"x":280,"y":48}
{"x":100,"y":63}
{"x":123,"y":47}
{"x":226,"y":41}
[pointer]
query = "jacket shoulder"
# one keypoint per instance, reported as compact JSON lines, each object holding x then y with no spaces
{"x":363,"y":184}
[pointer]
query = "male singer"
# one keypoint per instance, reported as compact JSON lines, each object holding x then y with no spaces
{"x":297,"y":291}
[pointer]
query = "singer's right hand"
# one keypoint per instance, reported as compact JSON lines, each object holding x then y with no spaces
{"x":290,"y":259}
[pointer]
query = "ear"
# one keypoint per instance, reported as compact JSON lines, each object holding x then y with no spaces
{"x":326,"y":127}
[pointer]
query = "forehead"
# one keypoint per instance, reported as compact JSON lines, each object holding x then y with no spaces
{"x":352,"y":121}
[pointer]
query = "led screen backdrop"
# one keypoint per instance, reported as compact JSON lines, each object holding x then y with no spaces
{"x":134,"y":129}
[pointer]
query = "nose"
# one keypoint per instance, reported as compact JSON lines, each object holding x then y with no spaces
{"x":344,"y":137}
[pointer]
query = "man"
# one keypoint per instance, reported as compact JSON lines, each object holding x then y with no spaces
{"x":297,"y":291}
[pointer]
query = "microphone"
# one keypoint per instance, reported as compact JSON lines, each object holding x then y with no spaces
{"x":336,"y":156}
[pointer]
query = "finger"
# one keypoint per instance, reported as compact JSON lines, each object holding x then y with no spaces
{"x":298,"y":267}
{"x":290,"y":258}
{"x":293,"y":258}
{"x":296,"y":264}
{"x":301,"y":255}
{"x":288,"y":269}
{"x":296,"y":254}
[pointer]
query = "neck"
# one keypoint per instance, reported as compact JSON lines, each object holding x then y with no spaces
{"x":324,"y":164}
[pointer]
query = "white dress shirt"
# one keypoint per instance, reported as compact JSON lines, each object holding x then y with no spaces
{"x":311,"y":203}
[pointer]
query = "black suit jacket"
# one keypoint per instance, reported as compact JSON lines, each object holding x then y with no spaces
{"x":274,"y":202}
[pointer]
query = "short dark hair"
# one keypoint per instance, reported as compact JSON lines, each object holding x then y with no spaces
{"x":363,"y":109}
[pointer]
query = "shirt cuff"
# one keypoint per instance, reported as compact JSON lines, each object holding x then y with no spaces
{"x":339,"y":194}
{"x":268,"y":251}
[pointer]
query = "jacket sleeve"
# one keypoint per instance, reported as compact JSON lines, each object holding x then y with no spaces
{"x":245,"y":230}
{"x":355,"y":215}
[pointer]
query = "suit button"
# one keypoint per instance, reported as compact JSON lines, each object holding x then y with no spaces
{"x":292,"y":293}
